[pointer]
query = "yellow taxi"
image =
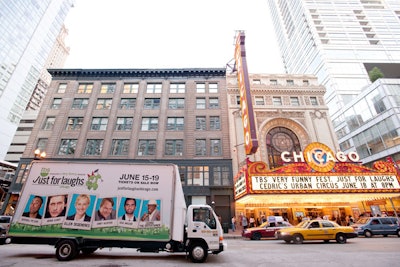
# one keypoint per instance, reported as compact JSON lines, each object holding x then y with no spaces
{"x":316,"y":230}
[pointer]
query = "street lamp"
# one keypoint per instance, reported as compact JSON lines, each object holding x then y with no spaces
{"x":39,"y":154}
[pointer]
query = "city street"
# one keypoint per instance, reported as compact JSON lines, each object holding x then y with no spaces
{"x":376,"y":251}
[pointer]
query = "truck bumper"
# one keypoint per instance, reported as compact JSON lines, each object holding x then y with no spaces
{"x":221,"y":248}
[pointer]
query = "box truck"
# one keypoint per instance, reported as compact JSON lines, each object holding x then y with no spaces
{"x":79,"y":207}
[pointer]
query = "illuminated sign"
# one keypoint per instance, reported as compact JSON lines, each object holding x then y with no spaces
{"x":321,"y":182}
{"x":317,"y":170}
{"x":240,"y":186}
{"x":319,"y":157}
{"x":246,"y":105}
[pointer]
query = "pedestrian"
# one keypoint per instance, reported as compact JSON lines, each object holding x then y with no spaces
{"x":244,"y":222}
{"x":252,"y":221}
{"x":233,"y":220}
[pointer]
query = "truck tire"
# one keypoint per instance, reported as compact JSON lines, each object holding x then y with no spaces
{"x":66,"y":250}
{"x":198,"y":252}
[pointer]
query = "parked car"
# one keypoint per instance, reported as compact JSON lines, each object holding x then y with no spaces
{"x":316,"y":230}
{"x":5,"y":221}
{"x":265,"y":230}
{"x":369,"y":226}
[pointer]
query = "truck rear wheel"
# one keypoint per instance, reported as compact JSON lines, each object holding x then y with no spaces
{"x":66,"y":250}
{"x":198,"y":253}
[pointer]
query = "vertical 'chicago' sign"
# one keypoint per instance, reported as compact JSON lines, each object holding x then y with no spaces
{"x":246,"y":103}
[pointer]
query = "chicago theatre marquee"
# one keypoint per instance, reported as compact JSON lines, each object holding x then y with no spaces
{"x":317,"y":182}
{"x":285,"y":154}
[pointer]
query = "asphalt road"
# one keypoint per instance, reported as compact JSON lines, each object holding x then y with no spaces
{"x":359,"y":252}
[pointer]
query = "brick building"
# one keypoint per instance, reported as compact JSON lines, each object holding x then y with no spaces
{"x":146,"y":115}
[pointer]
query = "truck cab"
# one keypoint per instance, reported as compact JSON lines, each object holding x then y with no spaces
{"x":203,"y":232}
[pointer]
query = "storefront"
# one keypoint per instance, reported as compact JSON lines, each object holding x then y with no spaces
{"x":317,"y":183}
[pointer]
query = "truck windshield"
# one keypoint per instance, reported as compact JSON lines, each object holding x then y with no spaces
{"x":204,"y":215}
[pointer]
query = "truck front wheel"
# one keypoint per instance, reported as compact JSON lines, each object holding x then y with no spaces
{"x":198,"y":253}
{"x":66,"y":250}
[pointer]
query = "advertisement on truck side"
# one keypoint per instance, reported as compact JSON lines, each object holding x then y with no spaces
{"x":93,"y":200}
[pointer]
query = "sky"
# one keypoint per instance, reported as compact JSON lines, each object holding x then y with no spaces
{"x":170,"y":34}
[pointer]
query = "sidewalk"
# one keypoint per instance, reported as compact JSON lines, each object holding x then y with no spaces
{"x":234,"y":235}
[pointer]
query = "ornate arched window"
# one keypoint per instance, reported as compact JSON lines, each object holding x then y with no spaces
{"x":280,"y":139}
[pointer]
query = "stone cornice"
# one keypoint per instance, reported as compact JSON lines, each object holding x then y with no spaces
{"x":135,"y":73}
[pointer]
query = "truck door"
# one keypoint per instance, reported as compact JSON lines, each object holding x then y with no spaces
{"x":203,"y":223}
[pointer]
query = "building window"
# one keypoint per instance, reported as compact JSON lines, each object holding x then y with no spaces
{"x":175,"y":124}
{"x":259,"y":100}
{"x":221,"y":175}
{"x":107,"y":88}
{"x":85,"y":88}
{"x":120,"y":147}
{"x":176,"y":103}
{"x":215,"y":147}
{"x":173,"y":147}
{"x":147,"y":147}
{"x":104,"y":103}
{"x":314,"y":101}
{"x":200,"y":87}
{"x":198,"y":175}
{"x":306,"y":83}
{"x":294,"y":101}
{"x":214,"y":102}
{"x":94,"y":147}
{"x":56,"y":103}
{"x":67,"y":147}
{"x":273,"y":82}
{"x":61,"y":88}
{"x":99,"y":124}
{"x":154,"y":88}
{"x":256,"y":81}
{"x":80,"y":103}
{"x":131,"y":88}
{"x":277,"y":101}
{"x":177,"y":88}
{"x":215,"y":123}
{"x":124,"y":124}
{"x":280,"y":139}
{"x":238,"y":100}
{"x":201,"y":103}
{"x":152,"y":103}
{"x":149,"y":124}
{"x":201,"y":123}
{"x":49,"y":123}
{"x":201,"y":149}
{"x":74,"y":123}
{"x":42,"y":143}
{"x":290,"y":82}
{"x":213,"y":88}
{"x":127,"y":103}
{"x":345,"y":145}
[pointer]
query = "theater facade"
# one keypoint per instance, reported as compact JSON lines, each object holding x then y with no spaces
{"x":286,"y":156}
{"x":317,"y":182}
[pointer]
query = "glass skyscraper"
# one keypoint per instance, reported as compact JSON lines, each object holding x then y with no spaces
{"x":28,"y":31}
{"x":340,"y":41}
{"x":334,"y":39}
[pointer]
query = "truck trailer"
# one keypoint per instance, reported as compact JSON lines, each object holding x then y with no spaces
{"x":79,"y":207}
